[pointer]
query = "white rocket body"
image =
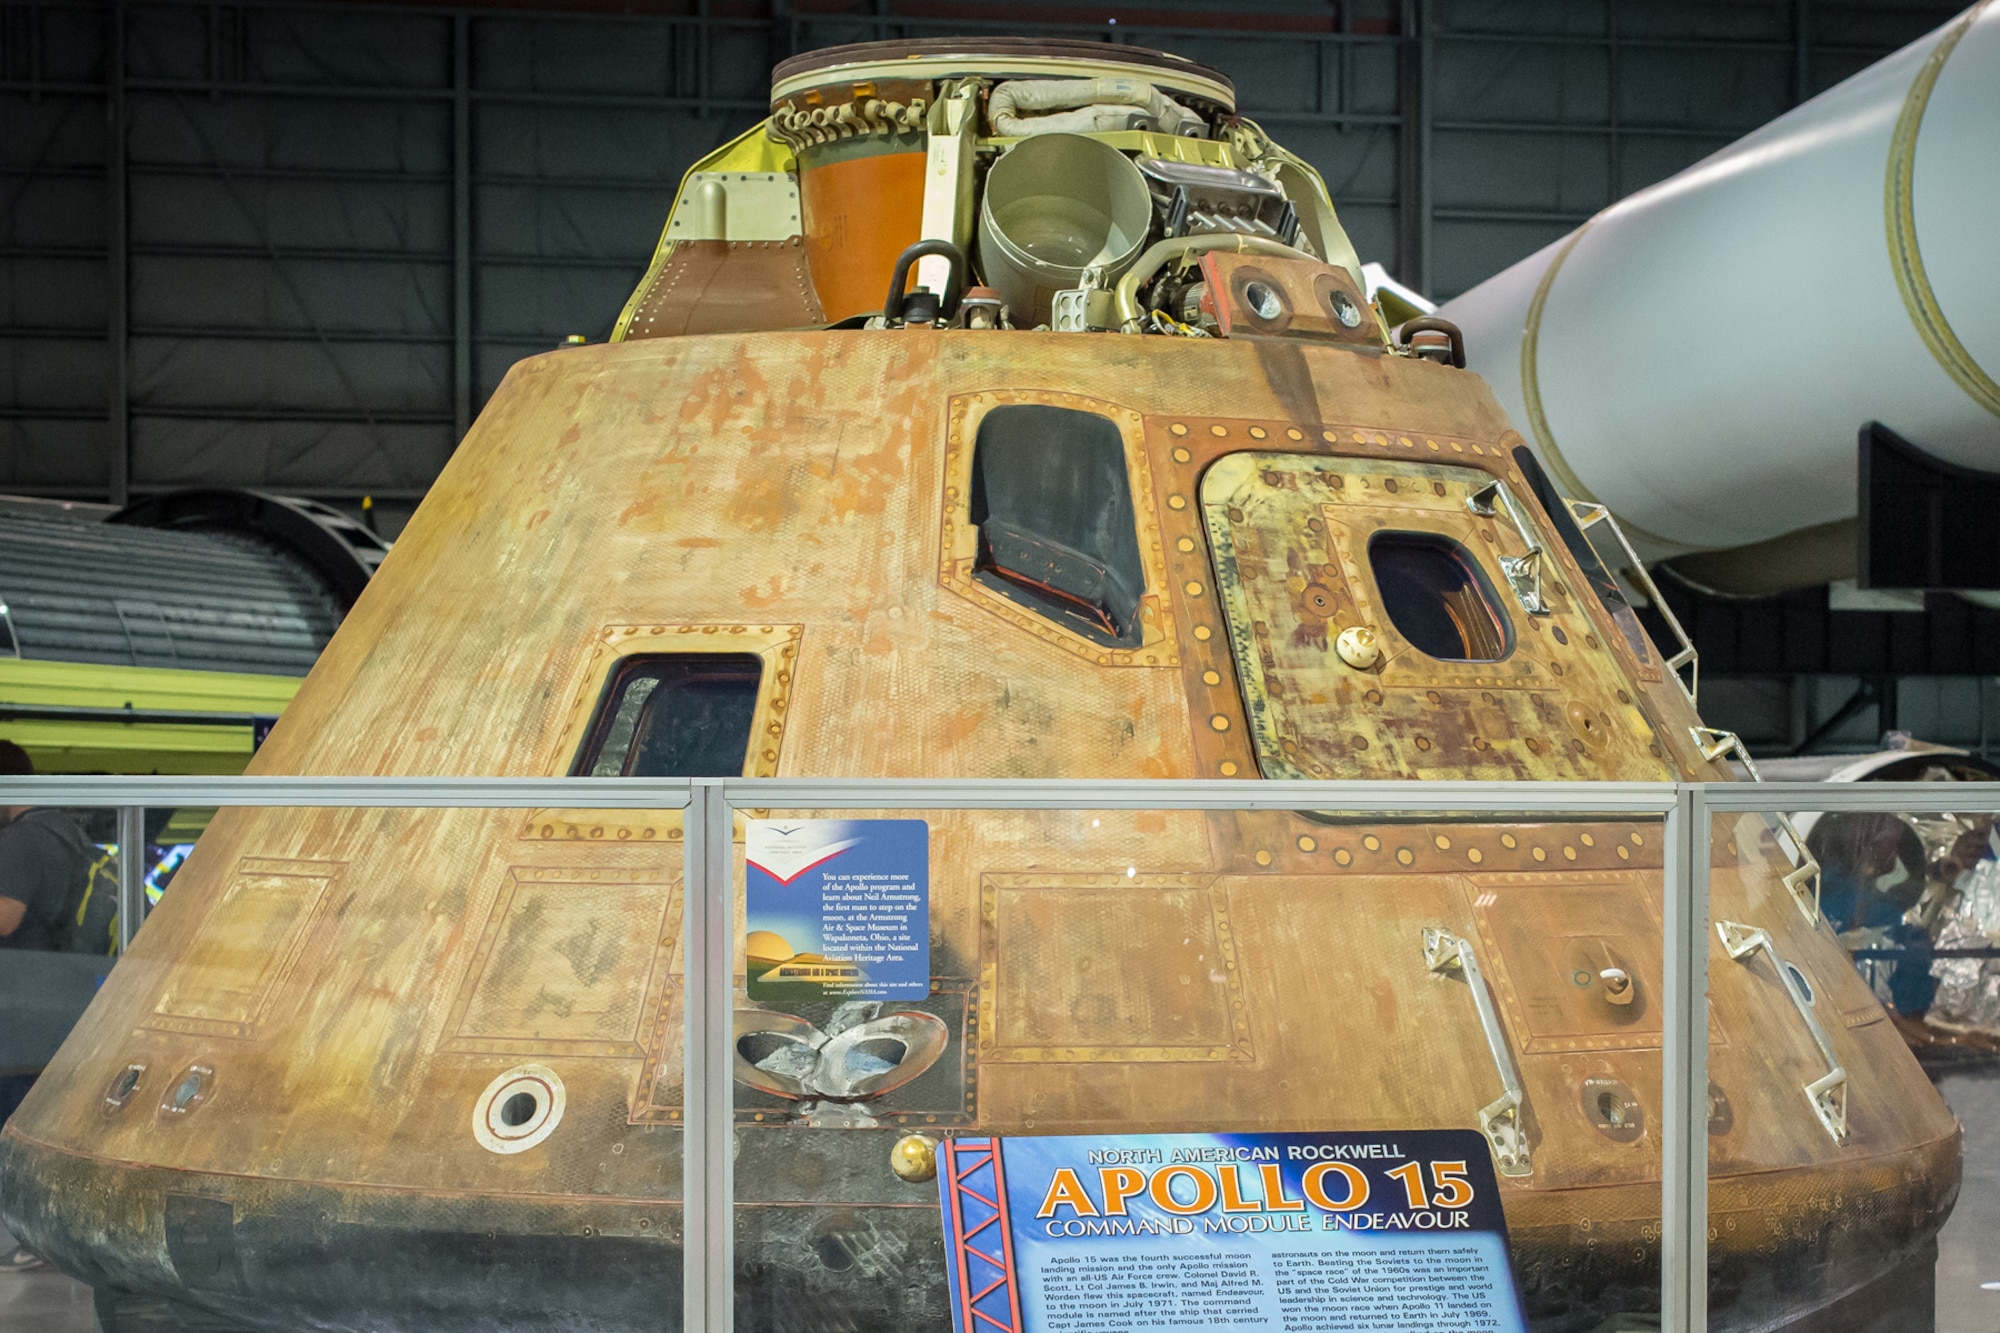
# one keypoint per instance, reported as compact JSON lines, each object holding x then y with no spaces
{"x":1701,"y":355}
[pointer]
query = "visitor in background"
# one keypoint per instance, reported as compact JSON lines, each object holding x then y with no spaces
{"x":45,"y":867}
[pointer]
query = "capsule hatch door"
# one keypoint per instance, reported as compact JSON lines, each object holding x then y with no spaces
{"x":1469,"y":684}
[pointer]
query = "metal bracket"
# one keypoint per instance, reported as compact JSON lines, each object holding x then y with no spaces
{"x":1501,"y":1120}
{"x":1827,"y":1093}
{"x":1524,"y":576}
{"x":1803,"y":881}
{"x":1084,"y":309}
{"x":737,"y":206}
{"x":1524,"y":572}
{"x":1712,"y":742}
{"x":953,"y":125}
{"x":1589,"y":516}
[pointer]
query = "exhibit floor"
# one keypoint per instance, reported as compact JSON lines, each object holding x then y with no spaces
{"x":1968,"y":1270}
{"x":43,"y":1302}
{"x":1969,"y":1245}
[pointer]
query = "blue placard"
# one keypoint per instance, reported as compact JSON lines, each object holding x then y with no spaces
{"x":838,"y":909}
{"x":1283,"y":1233}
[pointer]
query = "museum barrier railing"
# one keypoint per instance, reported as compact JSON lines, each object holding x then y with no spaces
{"x":711,"y":807}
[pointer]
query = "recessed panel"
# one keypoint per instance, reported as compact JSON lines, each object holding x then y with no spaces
{"x":247,"y":942}
{"x":1111,"y":967}
{"x":568,"y":962}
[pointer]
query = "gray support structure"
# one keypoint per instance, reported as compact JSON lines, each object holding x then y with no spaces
{"x":778,"y":40}
{"x":118,"y":246}
{"x":1614,"y":141}
{"x":1413,"y":152}
{"x":708,"y":1097}
{"x":462,"y":387}
{"x":1801,"y":51}
{"x":131,"y":873}
{"x":1684,"y":1057}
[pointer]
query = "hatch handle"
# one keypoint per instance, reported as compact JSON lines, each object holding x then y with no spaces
{"x":1524,"y":571}
{"x":1827,"y":1094}
{"x":1432,"y":324}
{"x":1501,"y":1121}
{"x":897,"y":306}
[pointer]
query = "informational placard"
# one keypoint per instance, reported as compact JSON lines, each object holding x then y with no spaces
{"x":1286,"y":1233}
{"x":838,"y":909}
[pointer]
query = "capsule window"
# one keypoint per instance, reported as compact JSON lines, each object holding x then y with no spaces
{"x":678,"y":715}
{"x":1052,"y":501}
{"x":1438,"y":598}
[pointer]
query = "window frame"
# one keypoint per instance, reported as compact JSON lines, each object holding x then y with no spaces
{"x":627,"y":668}
{"x":1093,"y":446}
{"x":1579,"y":677}
{"x":594,"y":667}
{"x":1159,"y":635}
{"x":1489,"y":595}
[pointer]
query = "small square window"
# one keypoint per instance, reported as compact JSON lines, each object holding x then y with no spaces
{"x":1437,"y":597}
{"x":674,"y":715}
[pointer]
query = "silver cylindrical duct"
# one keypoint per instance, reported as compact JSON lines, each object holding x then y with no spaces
{"x":203,"y":579}
{"x":1700,"y":356}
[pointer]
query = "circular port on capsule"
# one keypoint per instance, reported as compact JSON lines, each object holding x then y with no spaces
{"x":1612,"y":1109}
{"x":841,"y":1239}
{"x":1721,"y":1116}
{"x":518,"y":1109}
{"x":1263,"y":300}
{"x":118,"y":1094}
{"x":187,"y":1093}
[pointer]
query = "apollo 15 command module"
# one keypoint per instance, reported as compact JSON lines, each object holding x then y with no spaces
{"x":994,"y":409}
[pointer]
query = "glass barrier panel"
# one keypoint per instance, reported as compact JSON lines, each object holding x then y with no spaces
{"x":61,"y":930}
{"x":1854,"y":1128}
{"x":1249,"y":1029}
{"x":371,"y":1068}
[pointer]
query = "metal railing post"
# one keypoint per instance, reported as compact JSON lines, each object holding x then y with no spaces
{"x":707,"y":937}
{"x":708,"y":927}
{"x":1684,"y":1057}
{"x":131,"y":873}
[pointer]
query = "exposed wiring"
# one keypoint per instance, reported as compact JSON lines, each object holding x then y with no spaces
{"x":1165,"y":323}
